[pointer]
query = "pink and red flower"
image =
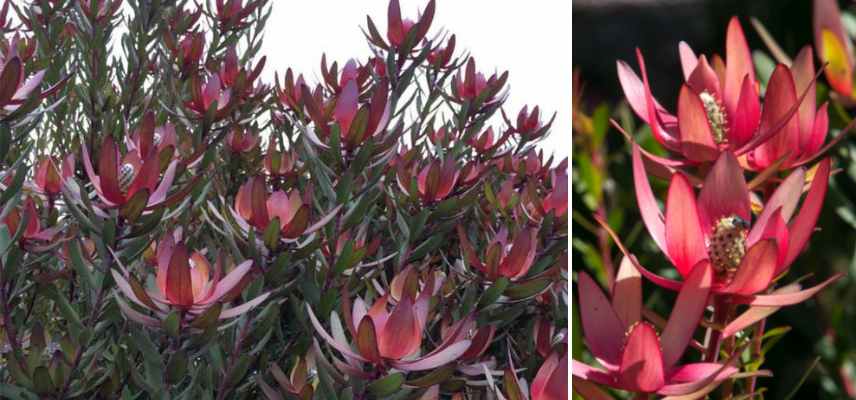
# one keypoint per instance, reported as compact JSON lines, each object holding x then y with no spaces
{"x":716,"y":228}
{"x":49,"y":178}
{"x":122,"y":179}
{"x":185,"y":282}
{"x":390,"y":338}
{"x":719,"y":108}
{"x":632,"y":355}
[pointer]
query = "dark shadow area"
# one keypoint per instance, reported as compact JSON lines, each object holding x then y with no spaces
{"x":605,"y":31}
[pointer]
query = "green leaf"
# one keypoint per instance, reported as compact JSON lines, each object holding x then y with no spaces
{"x":600,"y":124}
{"x":66,"y":310}
{"x":172,"y":324}
{"x":13,"y":392}
{"x":434,"y":377}
{"x":208,"y":318}
{"x":176,"y":368}
{"x":764,"y":66}
{"x":239,"y":370}
{"x":79,"y":264}
{"x":493,"y":292}
{"x":326,"y":390}
{"x":42,"y":382}
{"x":387,"y":385}
{"x":525,"y":290}
{"x":271,"y":234}
{"x":135,"y":206}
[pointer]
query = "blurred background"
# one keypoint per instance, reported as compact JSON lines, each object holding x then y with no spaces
{"x":815,"y":358}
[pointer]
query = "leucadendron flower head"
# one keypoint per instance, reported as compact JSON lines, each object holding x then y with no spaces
{"x":403,"y":34}
{"x":256,"y":208}
{"x":551,"y":380}
{"x":717,"y":227}
{"x":33,"y":231}
{"x":390,"y":338}
{"x":17,"y":89}
{"x":507,"y":255}
{"x":233,"y":14}
{"x":719,"y":109}
{"x":632,"y":355}
{"x":359,"y":116}
{"x":434,"y":181}
{"x":122,"y":179}
{"x":50,"y":178}
{"x":184,"y":282}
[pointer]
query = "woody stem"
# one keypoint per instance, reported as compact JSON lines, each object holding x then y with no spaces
{"x":756,"y":349}
{"x":722,"y":312}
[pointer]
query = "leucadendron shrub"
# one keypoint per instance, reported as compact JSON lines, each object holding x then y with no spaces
{"x":174,"y":226}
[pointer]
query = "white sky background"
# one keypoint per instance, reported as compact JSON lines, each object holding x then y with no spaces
{"x":532,"y":40}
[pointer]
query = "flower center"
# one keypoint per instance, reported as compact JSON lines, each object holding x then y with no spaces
{"x":716,"y":117}
{"x":728,"y":244}
{"x":126,"y":175}
{"x":157,"y":138}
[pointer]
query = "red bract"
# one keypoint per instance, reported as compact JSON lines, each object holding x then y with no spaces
{"x":188,"y":52}
{"x":634,"y":357}
{"x":440,"y":56}
{"x":183,"y":20}
{"x":290,"y":92}
{"x":123,"y":179}
{"x":239,"y":140}
{"x":357,"y":120}
{"x":232,"y":13}
{"x":801,"y":139}
{"x":833,"y":46}
{"x":529,"y":124}
{"x":49,"y":179}
{"x":280,"y":163}
{"x":716,"y":229}
{"x":719,"y":108}
{"x":487,"y":142}
{"x":399,"y":30}
{"x":351,"y":71}
{"x":148,"y":139}
{"x":387,"y":338}
{"x":441,"y":136}
{"x":183,"y":282}
{"x":551,"y":380}
{"x":15,"y":87}
{"x":435,"y":181}
{"x":204,"y":94}
{"x":255,"y":206}
{"x":359,"y":244}
{"x":480,"y":339}
{"x":33,"y":230}
{"x":5,"y":23}
{"x":542,"y":333}
{"x":473,"y":86}
{"x":502,"y":258}
{"x":531,"y":164}
{"x":100,"y":10}
{"x":238,"y":79}
{"x":555,"y":200}
{"x":297,"y":383}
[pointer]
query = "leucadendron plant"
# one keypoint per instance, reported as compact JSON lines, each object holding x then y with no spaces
{"x":174,"y":225}
{"x":746,"y":175}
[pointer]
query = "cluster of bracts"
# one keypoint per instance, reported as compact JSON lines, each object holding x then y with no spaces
{"x":172,"y":225}
{"x":730,"y":239}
